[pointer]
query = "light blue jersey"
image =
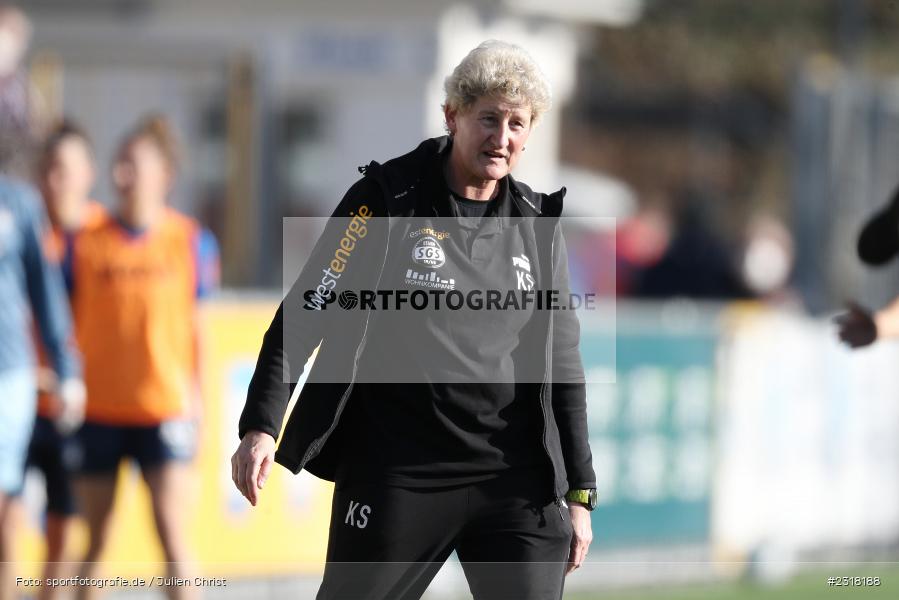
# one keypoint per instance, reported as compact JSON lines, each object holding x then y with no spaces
{"x":30,"y":286}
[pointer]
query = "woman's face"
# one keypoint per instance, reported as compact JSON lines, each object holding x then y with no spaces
{"x":142,"y":172}
{"x":488,"y":137}
{"x":70,"y":171}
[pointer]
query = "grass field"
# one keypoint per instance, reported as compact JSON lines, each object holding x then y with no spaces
{"x":807,"y":586}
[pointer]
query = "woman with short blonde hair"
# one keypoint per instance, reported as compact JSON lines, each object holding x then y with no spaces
{"x":444,"y":430}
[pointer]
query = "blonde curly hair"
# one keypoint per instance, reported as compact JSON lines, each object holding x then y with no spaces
{"x":497,"y":68}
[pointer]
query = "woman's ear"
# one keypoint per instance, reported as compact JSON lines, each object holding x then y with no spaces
{"x":449,"y":116}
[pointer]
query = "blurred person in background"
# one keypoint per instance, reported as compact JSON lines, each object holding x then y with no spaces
{"x":640,"y":242}
{"x":65,"y":176}
{"x":19,"y":115}
{"x":482,"y":464}
{"x":31,"y":292}
{"x":695,"y":261}
{"x":136,"y":279}
{"x":768,"y":259}
{"x":878,"y":244}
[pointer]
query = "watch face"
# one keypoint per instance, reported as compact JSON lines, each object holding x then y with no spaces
{"x":593,"y":499}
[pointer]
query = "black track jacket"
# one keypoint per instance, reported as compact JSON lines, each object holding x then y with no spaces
{"x":311,"y":437}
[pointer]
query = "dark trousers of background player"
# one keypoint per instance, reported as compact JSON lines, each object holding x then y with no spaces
{"x":389,"y":542}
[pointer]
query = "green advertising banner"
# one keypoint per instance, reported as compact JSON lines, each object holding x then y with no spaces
{"x":650,"y":408}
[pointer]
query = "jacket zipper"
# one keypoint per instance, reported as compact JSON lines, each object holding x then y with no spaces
{"x":557,"y":500}
{"x":559,"y":504}
{"x":314,"y":446}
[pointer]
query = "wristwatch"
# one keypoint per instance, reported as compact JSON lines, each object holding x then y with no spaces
{"x":586,"y":497}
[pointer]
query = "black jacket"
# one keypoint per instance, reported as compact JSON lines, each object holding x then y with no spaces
{"x":312,"y":437}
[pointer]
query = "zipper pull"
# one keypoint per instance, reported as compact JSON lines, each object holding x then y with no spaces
{"x":559,"y":502}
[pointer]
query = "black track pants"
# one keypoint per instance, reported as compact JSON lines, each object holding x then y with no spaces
{"x":388,"y":542}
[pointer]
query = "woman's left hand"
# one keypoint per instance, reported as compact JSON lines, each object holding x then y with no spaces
{"x":581,"y":536}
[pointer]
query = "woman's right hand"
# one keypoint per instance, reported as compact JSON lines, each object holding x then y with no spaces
{"x":252,"y":463}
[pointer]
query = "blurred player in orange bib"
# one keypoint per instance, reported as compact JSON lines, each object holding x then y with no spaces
{"x":135,"y":283}
{"x":65,"y":174}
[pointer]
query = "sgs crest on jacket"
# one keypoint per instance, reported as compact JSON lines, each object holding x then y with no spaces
{"x":351,"y":255}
